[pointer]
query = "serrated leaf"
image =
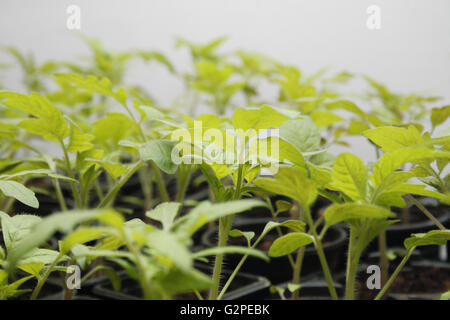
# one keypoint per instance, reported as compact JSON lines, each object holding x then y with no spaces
{"x":349,"y":175}
{"x":394,"y":138}
{"x":292,"y":183}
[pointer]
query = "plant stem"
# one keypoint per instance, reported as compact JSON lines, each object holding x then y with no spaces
{"x":394,"y":275}
{"x":297,"y":270}
{"x":59,"y":195}
{"x":112,"y":193}
{"x":73,"y":184}
{"x":321,"y":254}
{"x":224,"y":229}
{"x":146,"y":185}
{"x":384,"y":262}
{"x":425,"y":211}
{"x":160,"y":182}
{"x":44,"y":278}
{"x":183,"y":182}
{"x":351,"y":269}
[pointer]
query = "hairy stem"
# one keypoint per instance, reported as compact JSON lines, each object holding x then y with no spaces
{"x":425,"y":211}
{"x":394,"y":275}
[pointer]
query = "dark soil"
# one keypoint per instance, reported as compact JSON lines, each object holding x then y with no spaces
{"x":430,"y":280}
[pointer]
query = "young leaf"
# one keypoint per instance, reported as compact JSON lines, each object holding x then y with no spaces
{"x":248,"y":235}
{"x":20,"y":192}
{"x":394,"y":138}
{"x":289,"y":243}
{"x":349,"y":176}
{"x":389,"y":162}
{"x":230,"y":250}
{"x":292,"y":183}
{"x":160,"y":151}
{"x":301,"y":133}
{"x":165,"y":213}
{"x":348,"y":211}
{"x":433,"y":237}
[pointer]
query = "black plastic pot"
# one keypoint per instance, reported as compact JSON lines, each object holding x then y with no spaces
{"x":243,"y":287}
{"x":430,"y":274}
{"x":312,"y":289}
{"x":397,"y":233}
{"x":279,"y":269}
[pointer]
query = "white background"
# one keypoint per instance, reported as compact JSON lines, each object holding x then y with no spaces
{"x":411,"y":52}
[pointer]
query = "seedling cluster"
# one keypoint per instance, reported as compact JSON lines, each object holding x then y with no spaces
{"x":95,"y":173}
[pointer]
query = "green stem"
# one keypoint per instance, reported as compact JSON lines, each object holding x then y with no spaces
{"x":224,"y":229}
{"x":160,"y":182}
{"x":384,"y":262}
{"x":425,"y":211}
{"x":352,"y":264}
{"x":59,"y":195}
{"x":297,"y":270}
{"x":44,"y":278}
{"x":146,"y":185}
{"x":73,"y":184}
{"x":112,"y":193}
{"x":183,"y":183}
{"x":394,"y":275}
{"x":321,"y":254}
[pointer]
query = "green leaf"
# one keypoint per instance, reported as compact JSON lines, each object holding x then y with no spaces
{"x":206,"y":212}
{"x":301,"y":133}
{"x":79,"y":141}
{"x":20,"y":192}
{"x":294,"y":225}
{"x":258,"y":119}
{"x":165,"y":213}
{"x":160,"y":151}
{"x":289,"y":243}
{"x":350,"y":211}
{"x":248,"y":235}
{"x":434,"y":237}
{"x":293,"y":287}
{"x":440,"y":115}
{"x":389,"y":162}
{"x":350,"y":176}
{"x":33,"y":268}
{"x":394,"y":138}
{"x":167,"y":244}
{"x":16,"y":228}
{"x":180,"y":281}
{"x":324,"y":118}
{"x":43,"y":230}
{"x":49,"y":122}
{"x":283,"y":206}
{"x":230,"y":250}
{"x":292,"y":183}
{"x":82,"y":235}
{"x":93,"y":84}
{"x":345,"y":105}
{"x":445,"y":296}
